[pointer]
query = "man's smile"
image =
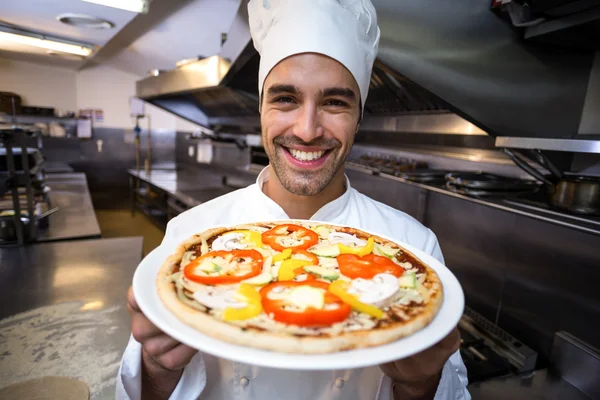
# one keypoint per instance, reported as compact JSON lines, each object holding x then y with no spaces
{"x":306,"y":157}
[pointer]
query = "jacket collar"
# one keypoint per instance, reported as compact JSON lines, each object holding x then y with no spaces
{"x":329,"y":212}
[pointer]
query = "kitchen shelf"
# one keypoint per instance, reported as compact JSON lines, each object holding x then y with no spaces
{"x":26,"y":118}
{"x":568,"y":145}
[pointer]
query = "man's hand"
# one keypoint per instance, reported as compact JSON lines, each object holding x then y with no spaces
{"x":163,"y":358}
{"x":418,"y":376}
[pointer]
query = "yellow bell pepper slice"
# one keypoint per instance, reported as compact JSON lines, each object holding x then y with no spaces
{"x":284,"y":255}
{"x":340,"y":289}
{"x":360,"y":251}
{"x":251,"y":237}
{"x":253,"y":308}
{"x":286,"y":270}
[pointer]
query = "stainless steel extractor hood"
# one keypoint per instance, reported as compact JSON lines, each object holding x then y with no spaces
{"x":457,"y":66}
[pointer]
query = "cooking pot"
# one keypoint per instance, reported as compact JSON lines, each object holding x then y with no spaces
{"x":575,"y":193}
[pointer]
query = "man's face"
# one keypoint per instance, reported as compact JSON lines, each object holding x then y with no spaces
{"x":309,"y":116}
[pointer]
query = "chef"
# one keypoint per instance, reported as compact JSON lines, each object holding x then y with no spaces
{"x":315,"y":68}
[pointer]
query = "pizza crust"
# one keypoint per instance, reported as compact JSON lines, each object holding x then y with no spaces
{"x":286,"y":342}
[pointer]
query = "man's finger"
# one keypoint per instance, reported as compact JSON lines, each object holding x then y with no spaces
{"x":131,"y":303}
{"x":176,"y":358}
{"x":451,"y":342}
{"x":159,"y":345}
{"x":142,"y":329}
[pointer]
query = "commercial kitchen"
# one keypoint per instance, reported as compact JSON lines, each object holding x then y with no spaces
{"x":482,"y":123}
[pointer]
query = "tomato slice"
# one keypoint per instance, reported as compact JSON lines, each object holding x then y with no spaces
{"x":354,"y":266}
{"x":256,"y":263}
{"x":309,"y":238}
{"x":310,"y":316}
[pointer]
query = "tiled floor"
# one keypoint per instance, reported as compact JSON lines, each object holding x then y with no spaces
{"x":120,"y":223}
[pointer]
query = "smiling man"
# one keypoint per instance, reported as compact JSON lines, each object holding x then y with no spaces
{"x":315,"y":68}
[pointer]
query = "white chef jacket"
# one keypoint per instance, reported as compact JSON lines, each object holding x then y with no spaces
{"x":211,"y":378}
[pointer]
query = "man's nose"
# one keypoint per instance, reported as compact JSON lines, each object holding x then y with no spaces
{"x":308,"y":123}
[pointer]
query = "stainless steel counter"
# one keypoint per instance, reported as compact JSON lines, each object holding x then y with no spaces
{"x":194,"y":186}
{"x":75,"y":218}
{"x":64,"y":312}
{"x":542,"y":385}
{"x":56,"y":167}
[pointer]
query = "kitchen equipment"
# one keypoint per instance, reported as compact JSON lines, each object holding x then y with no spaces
{"x":489,"y":352}
{"x":37,"y":111}
{"x":481,"y":184}
{"x":387,"y":164}
{"x":34,"y":157}
{"x":428,"y":176}
{"x":486,"y":181}
{"x":5,"y":183}
{"x":8,"y":230}
{"x":6,"y":103}
{"x":579,"y":194}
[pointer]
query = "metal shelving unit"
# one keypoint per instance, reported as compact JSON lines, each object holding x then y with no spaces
{"x":14,"y":137}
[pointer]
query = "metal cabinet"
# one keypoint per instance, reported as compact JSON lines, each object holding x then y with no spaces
{"x":552,"y":283}
{"x":474,"y":240}
{"x":407,"y":198}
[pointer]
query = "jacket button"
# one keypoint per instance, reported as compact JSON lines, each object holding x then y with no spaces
{"x":244,"y":381}
{"x":339,"y":383}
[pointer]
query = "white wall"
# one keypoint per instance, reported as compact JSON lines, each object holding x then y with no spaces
{"x":39,"y":85}
{"x":99,"y":87}
{"x":110,"y":89}
{"x":590,"y":119}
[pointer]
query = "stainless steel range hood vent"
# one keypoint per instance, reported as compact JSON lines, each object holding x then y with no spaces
{"x":220,"y":92}
{"x":209,"y":93}
{"x":457,"y":60}
{"x":196,"y":93}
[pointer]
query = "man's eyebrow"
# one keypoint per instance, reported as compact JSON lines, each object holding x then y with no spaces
{"x":282,"y":88}
{"x":340,"y":91}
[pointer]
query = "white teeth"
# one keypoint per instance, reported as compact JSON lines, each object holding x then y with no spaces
{"x":306,"y":156}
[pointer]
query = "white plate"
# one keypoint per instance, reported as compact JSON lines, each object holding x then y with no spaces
{"x":144,"y":288}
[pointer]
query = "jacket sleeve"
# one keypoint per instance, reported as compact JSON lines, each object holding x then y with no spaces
{"x":452,"y":386}
{"x":129,"y":378}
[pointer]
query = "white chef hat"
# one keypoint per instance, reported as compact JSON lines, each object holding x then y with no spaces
{"x":345,"y":30}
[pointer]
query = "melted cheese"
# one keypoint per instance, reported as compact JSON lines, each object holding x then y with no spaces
{"x":228,"y":242}
{"x":406,"y":296}
{"x":346,"y":239}
{"x":218,"y":297}
{"x":378,"y":291}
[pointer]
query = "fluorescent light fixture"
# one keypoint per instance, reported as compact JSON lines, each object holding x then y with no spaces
{"x":31,"y":39}
{"x":138,"y":6}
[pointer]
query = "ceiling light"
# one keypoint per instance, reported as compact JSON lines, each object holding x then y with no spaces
{"x":138,"y":6}
{"x":32,"y":39}
{"x":85,"y":21}
{"x":66,"y":56}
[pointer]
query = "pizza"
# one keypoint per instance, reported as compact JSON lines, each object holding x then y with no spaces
{"x":299,"y":287}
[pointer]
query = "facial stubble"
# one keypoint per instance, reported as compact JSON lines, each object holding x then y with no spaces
{"x":306,"y":183}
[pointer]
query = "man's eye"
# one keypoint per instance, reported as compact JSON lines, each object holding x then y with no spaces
{"x":336,"y":103}
{"x":284,"y":99}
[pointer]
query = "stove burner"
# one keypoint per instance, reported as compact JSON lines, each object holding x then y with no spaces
{"x":483,"y":193}
{"x":429,"y":176}
{"x":387,"y":164}
{"x":485,"y":181}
